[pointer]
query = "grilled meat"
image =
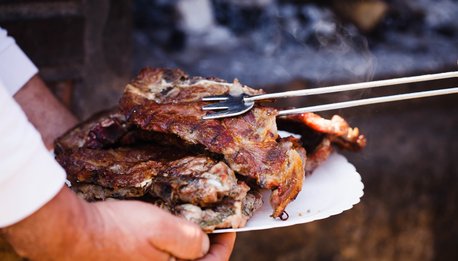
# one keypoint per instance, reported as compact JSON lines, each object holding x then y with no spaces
{"x":173,"y":176}
{"x":318,"y":135}
{"x":168,"y":101}
{"x":99,"y":131}
{"x":337,"y":130}
{"x":124,"y":168}
{"x":128,"y":171}
{"x":93,"y":192}
{"x":103,"y":160}
{"x":109,"y":129}
{"x":226,"y":214}
{"x":197,"y":180}
{"x":156,"y":147}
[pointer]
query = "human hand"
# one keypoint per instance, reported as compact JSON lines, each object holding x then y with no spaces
{"x":221,"y":246}
{"x":68,"y":228}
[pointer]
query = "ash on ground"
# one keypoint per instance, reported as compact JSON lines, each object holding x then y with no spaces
{"x":264,"y":42}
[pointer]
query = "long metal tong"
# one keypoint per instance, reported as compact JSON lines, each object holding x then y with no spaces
{"x":229,"y":105}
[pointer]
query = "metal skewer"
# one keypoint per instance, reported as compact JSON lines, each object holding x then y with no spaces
{"x":353,"y":86}
{"x":355,"y":103}
{"x":233,"y":105}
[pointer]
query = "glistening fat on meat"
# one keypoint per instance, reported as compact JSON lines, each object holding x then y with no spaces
{"x":156,"y":148}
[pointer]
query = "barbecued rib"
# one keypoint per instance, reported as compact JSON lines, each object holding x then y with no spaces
{"x":337,"y":130}
{"x":114,"y":168}
{"x":101,"y":130}
{"x":197,"y":180}
{"x":168,"y":101}
{"x":318,"y":135}
{"x":174,"y":175}
{"x":109,"y":129}
{"x":226,"y":214}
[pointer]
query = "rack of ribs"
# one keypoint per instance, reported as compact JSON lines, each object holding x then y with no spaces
{"x":155,"y":147}
{"x":169,"y":101}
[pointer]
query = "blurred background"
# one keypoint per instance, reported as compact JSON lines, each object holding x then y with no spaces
{"x":88,"y":50}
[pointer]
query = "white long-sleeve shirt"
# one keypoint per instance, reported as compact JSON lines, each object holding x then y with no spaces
{"x":29,"y":175}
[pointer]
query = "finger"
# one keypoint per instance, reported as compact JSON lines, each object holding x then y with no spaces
{"x":138,"y":253}
{"x":150,"y":253}
{"x":178,"y":236}
{"x":132,"y":221}
{"x":221,"y":247}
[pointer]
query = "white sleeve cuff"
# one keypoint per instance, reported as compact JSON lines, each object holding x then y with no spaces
{"x":15,"y":67}
{"x":26,"y":192}
{"x":29,"y":176}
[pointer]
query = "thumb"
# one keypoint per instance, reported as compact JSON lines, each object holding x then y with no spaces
{"x":221,"y":247}
{"x":177,"y":236}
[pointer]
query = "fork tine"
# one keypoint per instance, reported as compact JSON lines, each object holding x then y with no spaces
{"x":232,"y":105}
{"x":221,"y":114}
{"x":229,"y":112}
{"x":223,"y":97}
{"x":216,"y":106}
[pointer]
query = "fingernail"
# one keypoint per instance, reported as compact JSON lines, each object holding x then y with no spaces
{"x":205,"y":245}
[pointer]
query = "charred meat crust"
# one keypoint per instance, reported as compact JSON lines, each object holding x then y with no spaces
{"x":248,"y":143}
{"x":337,"y":130}
{"x":169,"y":101}
{"x":165,"y":173}
{"x":102,"y":129}
{"x":156,"y":146}
{"x":228,"y":213}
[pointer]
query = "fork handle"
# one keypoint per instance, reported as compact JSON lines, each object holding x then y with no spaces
{"x":352,"y":86}
{"x":355,"y":103}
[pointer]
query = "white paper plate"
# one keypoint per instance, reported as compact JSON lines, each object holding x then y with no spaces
{"x":335,"y":186}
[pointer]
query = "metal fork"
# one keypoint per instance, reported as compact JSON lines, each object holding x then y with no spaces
{"x":230,"y":105}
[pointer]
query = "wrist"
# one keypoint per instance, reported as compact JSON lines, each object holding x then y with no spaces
{"x":44,"y":111}
{"x":55,"y":226}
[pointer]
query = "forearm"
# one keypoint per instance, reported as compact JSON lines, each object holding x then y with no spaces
{"x":51,"y":228}
{"x":50,"y":117}
{"x":68,"y":228}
